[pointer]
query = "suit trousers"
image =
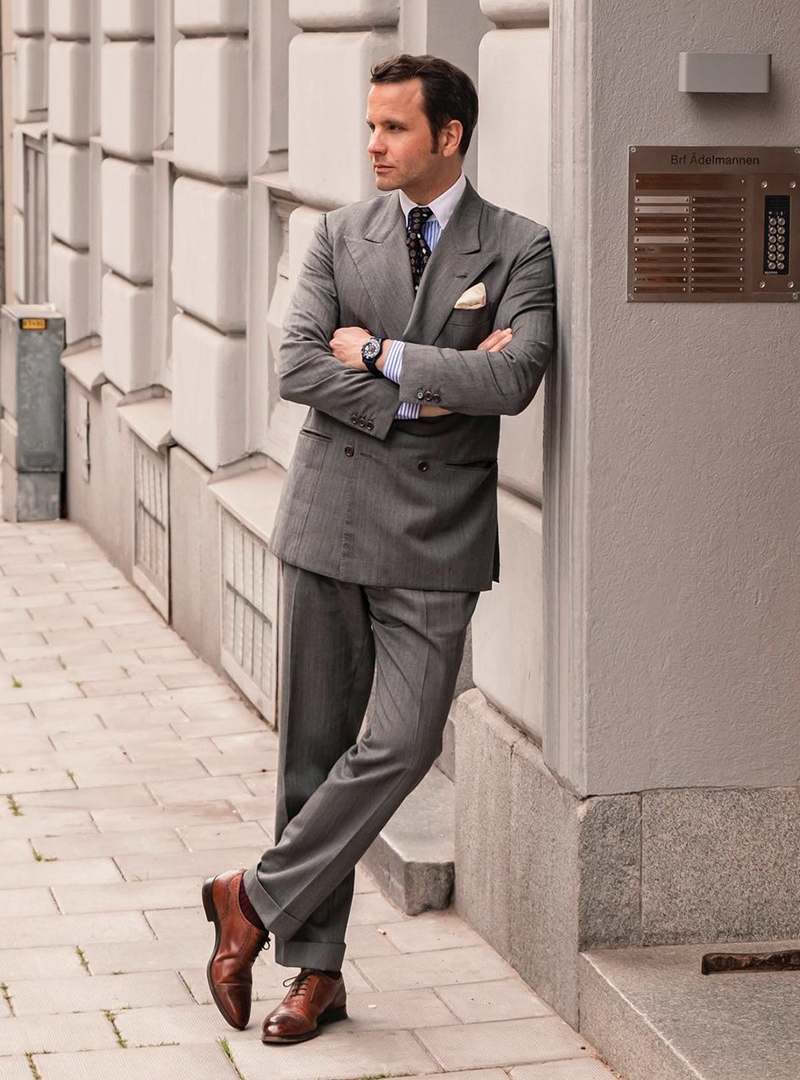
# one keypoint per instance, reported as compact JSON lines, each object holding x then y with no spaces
{"x":336,"y":790}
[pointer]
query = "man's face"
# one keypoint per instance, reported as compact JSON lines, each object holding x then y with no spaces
{"x":401,"y":144}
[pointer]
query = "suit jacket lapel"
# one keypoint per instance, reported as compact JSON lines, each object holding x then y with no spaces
{"x":381,"y":258}
{"x":455,"y":264}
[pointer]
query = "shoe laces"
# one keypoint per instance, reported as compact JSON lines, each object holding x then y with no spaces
{"x":299,"y":983}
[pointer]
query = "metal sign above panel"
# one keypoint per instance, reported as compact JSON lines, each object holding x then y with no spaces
{"x":713,"y":223}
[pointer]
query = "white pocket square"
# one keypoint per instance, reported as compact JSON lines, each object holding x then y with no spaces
{"x":474,"y":297}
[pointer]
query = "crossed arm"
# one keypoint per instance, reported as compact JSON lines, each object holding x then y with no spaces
{"x":346,"y":347}
{"x":320,"y":363}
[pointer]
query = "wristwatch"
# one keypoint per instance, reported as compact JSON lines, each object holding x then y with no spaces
{"x":370,"y":351}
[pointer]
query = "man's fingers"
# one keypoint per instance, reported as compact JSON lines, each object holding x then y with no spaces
{"x":490,"y":340}
{"x":497,"y":340}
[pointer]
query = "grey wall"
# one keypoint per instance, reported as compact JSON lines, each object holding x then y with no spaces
{"x":675,"y":487}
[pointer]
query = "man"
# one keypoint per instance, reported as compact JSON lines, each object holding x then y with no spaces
{"x":387,"y":525}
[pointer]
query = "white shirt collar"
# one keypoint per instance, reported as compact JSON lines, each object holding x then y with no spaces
{"x":443,"y":205}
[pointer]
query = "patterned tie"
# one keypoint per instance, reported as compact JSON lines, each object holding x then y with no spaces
{"x":418,"y":250}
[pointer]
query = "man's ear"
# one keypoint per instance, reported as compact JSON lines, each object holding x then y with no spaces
{"x":450,"y":137}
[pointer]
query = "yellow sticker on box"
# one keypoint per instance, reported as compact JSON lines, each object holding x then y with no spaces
{"x":34,"y":324}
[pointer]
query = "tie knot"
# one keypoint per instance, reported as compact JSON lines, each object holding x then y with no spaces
{"x":417,"y":216}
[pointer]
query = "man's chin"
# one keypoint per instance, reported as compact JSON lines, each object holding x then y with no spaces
{"x":386,"y":181}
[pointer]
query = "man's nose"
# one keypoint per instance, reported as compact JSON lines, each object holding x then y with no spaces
{"x":375,"y":144}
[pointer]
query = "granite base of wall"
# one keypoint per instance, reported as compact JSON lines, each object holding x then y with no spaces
{"x":194,"y":556}
{"x":539,"y":873}
{"x":544,"y":875}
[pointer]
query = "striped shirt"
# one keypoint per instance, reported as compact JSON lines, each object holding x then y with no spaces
{"x":442,"y":206}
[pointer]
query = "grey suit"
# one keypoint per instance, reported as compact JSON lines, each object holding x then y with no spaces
{"x":387,"y":530}
{"x":374,"y":515}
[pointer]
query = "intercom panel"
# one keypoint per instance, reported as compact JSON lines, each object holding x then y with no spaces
{"x":713,"y":223}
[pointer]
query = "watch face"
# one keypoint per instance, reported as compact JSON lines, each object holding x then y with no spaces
{"x":371,"y":349}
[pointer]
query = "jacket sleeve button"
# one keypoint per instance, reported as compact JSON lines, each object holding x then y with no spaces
{"x":370,"y":425}
{"x":420,"y":395}
{"x":423,"y":466}
{"x":428,"y":395}
{"x":437,"y":397}
{"x":349,"y":451}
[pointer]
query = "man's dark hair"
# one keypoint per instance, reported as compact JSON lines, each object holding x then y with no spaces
{"x":448,"y":93}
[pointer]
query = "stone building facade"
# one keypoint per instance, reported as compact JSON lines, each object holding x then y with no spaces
{"x":624,"y":751}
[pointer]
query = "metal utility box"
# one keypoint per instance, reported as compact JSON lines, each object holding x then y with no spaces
{"x":714,"y":223}
{"x":33,"y":413}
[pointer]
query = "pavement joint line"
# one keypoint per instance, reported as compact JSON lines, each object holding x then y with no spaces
{"x":112,"y":1019}
{"x":188,"y":987}
{"x":7,"y":998}
{"x":226,"y":1048}
{"x":32,"y":1066}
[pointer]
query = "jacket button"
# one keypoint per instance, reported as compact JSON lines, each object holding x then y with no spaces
{"x":420,"y":395}
{"x":349,"y":450}
{"x":436,"y":397}
{"x":423,"y":466}
{"x":428,"y":395}
{"x":354,"y":419}
{"x":370,"y":425}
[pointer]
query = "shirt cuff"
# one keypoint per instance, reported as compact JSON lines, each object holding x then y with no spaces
{"x":393,"y":369}
{"x":393,"y":364}
{"x":407,"y":410}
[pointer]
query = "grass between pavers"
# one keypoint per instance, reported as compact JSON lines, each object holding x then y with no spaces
{"x":112,"y":1019}
{"x":223,"y":1042}
{"x":32,"y":1066}
{"x":82,"y":958}
{"x":14,"y":806}
{"x":42,"y":858}
{"x":7,"y":997}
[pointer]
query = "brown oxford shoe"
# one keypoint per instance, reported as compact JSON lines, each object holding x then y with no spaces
{"x":314,"y":999}
{"x":238,"y":943}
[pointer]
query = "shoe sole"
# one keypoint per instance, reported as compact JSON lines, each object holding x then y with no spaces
{"x":330,"y":1016}
{"x":210,"y":909}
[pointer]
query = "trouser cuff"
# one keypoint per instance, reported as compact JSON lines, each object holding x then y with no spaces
{"x":274,"y":918}
{"x":325,"y":955}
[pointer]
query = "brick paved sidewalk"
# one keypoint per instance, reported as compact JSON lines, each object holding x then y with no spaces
{"x":129,"y":771}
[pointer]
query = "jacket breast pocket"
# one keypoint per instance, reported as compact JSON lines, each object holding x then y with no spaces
{"x":466,"y":328}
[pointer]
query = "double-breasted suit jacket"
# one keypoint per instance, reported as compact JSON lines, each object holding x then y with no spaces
{"x":409,"y":503}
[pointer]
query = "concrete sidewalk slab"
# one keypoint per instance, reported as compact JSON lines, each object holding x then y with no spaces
{"x":130,"y":771}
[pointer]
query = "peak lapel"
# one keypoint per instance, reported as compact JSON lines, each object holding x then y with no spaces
{"x":455,"y":264}
{"x":381,"y":258}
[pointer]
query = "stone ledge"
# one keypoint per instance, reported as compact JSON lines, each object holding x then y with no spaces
{"x":653,"y":1016}
{"x":412,"y":860}
{"x":252,"y":497}
{"x":150,"y":420}
{"x":86,"y":367}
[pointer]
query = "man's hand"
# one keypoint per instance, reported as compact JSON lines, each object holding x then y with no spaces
{"x":346,"y":346}
{"x":495,"y":342}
